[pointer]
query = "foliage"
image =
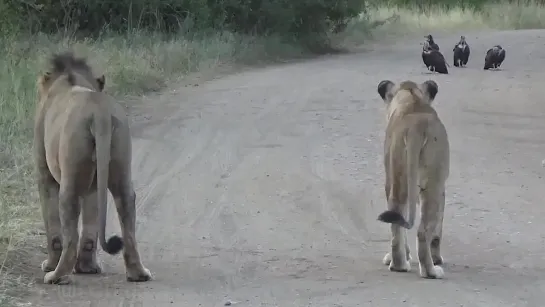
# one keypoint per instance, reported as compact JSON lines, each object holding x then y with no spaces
{"x":291,"y":17}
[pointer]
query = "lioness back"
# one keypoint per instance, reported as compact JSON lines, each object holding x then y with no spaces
{"x":416,"y":163}
{"x":411,"y":114}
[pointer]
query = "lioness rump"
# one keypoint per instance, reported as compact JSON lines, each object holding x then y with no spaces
{"x":82,"y":149}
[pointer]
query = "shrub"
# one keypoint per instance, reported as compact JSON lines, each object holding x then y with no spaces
{"x":288,"y":17}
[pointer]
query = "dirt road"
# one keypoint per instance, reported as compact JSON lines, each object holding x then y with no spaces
{"x":262,"y":188}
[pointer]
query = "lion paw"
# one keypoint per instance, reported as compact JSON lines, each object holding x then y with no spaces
{"x":139,"y":275}
{"x":85,"y":267}
{"x":436,"y":273}
{"x":51,"y":278}
{"x":46,"y":267}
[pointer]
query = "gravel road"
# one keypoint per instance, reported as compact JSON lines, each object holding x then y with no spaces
{"x":262,"y":188}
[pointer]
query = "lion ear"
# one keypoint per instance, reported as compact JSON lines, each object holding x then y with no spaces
{"x":46,"y":76}
{"x":384,"y":90}
{"x":101,"y":82}
{"x":41,"y":82}
{"x":431,"y":88}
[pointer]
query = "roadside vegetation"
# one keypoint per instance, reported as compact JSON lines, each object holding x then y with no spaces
{"x":143,"y":46}
{"x":392,"y":19}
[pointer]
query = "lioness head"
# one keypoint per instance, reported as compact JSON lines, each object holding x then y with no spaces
{"x":407,"y":91}
{"x":68,"y":71}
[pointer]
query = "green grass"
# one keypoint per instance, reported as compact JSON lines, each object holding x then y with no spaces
{"x":138,"y":62}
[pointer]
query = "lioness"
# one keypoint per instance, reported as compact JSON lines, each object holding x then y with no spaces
{"x":82,"y":148}
{"x":416,"y":159}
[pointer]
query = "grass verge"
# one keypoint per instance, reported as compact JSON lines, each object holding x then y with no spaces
{"x":409,"y":20}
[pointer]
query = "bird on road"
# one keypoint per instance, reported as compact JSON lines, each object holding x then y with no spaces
{"x":433,"y":59}
{"x":431,"y":42}
{"x":461,"y":52}
{"x":494,"y":57}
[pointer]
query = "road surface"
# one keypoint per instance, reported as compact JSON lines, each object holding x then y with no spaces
{"x":262,"y":188}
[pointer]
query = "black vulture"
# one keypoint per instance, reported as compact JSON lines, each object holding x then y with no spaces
{"x":431,"y":42}
{"x":434,"y":60}
{"x":494,"y":57}
{"x":461,"y":52}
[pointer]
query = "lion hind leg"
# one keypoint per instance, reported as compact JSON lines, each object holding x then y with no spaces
{"x":427,"y":232}
{"x":125,"y":197}
{"x":86,"y":262}
{"x":69,"y":214}
{"x":49,"y":200}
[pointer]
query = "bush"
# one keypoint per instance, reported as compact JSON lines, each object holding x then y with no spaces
{"x":291,"y":17}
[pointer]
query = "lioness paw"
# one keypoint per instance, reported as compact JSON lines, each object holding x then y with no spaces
{"x":405,"y":267}
{"x":50,"y":278}
{"x":438,"y":260}
{"x":436,"y":273}
{"x":387,"y":259}
{"x":140,"y":275}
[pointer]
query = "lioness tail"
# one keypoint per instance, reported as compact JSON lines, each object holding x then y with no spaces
{"x":414,"y":142}
{"x":393,"y":217}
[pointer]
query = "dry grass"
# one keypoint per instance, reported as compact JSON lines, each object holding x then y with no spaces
{"x":410,"y":21}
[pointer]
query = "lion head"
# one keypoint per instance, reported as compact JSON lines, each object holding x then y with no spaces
{"x":67,"y":71}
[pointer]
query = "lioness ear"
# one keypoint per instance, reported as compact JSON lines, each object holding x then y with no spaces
{"x":431,"y":88}
{"x":383,"y":90}
{"x":101,"y":82}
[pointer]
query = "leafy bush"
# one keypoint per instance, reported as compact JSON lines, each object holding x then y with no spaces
{"x":292,"y":17}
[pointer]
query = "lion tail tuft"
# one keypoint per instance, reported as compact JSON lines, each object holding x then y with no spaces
{"x":114,"y":245}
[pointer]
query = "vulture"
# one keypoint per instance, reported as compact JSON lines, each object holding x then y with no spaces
{"x":431,"y":42}
{"x":434,"y":60}
{"x":461,"y":52}
{"x":494,"y":57}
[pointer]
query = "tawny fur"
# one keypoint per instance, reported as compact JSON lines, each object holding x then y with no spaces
{"x":82,"y":149}
{"x":416,"y":162}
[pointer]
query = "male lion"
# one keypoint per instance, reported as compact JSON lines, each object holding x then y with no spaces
{"x":82,"y":148}
{"x":416,"y":159}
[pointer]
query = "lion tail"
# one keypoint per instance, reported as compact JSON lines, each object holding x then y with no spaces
{"x":102,"y":131}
